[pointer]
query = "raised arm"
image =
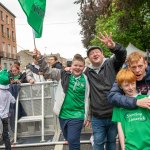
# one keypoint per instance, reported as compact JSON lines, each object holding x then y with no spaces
{"x":116,"y":48}
{"x":116,"y":98}
{"x":52,"y":73}
{"x":106,"y":40}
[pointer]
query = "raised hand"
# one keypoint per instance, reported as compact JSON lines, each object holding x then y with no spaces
{"x":106,"y":39}
{"x":36,"y":54}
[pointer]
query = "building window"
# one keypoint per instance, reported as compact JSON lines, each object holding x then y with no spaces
{"x":8,"y":33}
{"x":12,"y":23}
{"x":4,"y":49}
{"x":7,"y":19}
{"x":5,"y":65}
{"x":9,"y":50}
{"x":2,"y":30}
{"x":14,"y":52}
{"x":2,"y":15}
{"x":13,"y":36}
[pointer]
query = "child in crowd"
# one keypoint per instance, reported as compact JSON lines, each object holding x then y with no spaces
{"x":17,"y":77}
{"x":133,"y":125}
{"x":5,"y":99}
{"x":72,"y":98}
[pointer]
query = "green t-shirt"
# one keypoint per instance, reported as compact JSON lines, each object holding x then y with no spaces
{"x":16,"y":77}
{"x":136,"y":126}
{"x":73,"y":106}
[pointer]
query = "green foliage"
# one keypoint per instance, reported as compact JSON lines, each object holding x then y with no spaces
{"x":128,"y":20}
{"x":135,"y":23}
{"x":108,"y":24}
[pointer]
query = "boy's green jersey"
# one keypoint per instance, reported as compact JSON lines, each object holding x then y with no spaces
{"x":73,"y":106}
{"x":136,"y":126}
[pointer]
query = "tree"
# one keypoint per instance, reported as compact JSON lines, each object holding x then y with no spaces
{"x":135,"y":22}
{"x":90,"y":11}
{"x":128,"y":20}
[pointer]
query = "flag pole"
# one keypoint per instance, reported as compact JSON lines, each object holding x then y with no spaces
{"x":34,"y":39}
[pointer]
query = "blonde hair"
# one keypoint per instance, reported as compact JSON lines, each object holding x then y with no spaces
{"x":125,"y":75}
{"x":135,"y":57}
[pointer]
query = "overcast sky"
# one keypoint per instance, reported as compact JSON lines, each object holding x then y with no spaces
{"x":61,"y":31}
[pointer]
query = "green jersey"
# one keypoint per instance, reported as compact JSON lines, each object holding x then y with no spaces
{"x":73,"y":106}
{"x":136,"y":126}
{"x":16,"y":77}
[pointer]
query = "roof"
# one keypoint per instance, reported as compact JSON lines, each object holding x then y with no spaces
{"x":7,"y":10}
{"x":27,"y":52}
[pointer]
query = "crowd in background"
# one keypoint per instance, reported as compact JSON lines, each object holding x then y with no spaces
{"x":87,"y":95}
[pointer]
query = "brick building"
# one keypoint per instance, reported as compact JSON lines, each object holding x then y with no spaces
{"x":8,"y":49}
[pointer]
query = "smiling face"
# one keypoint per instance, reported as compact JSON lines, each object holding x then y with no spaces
{"x":77,"y":67}
{"x":96,"y":57}
{"x":129,"y":88}
{"x":127,"y":82}
{"x":139,"y":68}
{"x":15,"y":71}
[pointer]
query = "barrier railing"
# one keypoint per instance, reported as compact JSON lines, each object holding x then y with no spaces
{"x":36,"y":102}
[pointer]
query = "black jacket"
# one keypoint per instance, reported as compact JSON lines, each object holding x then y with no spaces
{"x":101,"y":83}
{"x":57,"y":65}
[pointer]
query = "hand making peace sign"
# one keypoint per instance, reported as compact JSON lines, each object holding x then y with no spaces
{"x":106,"y":39}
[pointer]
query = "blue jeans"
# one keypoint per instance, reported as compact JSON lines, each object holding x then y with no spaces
{"x":71,"y":129}
{"x":104,"y":130}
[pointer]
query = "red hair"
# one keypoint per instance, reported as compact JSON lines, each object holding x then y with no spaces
{"x":125,"y":75}
{"x":135,"y":57}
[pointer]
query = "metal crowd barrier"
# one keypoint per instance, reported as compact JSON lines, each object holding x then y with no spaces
{"x":36,"y":126}
{"x":36,"y":101}
{"x":34,"y":117}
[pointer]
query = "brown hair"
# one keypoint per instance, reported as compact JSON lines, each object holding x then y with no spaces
{"x":17,"y":63}
{"x":135,"y":57}
{"x":79,"y":58}
{"x":15,"y":66}
{"x":55,"y":58}
{"x":125,"y":75}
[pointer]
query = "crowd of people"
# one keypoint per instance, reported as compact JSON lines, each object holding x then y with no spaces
{"x":90,"y":96}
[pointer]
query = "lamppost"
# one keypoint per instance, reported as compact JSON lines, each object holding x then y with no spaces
{"x":45,"y":48}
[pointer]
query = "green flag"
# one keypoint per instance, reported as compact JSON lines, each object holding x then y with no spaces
{"x":35,"y":11}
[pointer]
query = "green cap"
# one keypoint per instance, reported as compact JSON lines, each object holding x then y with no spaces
{"x":4,"y":79}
